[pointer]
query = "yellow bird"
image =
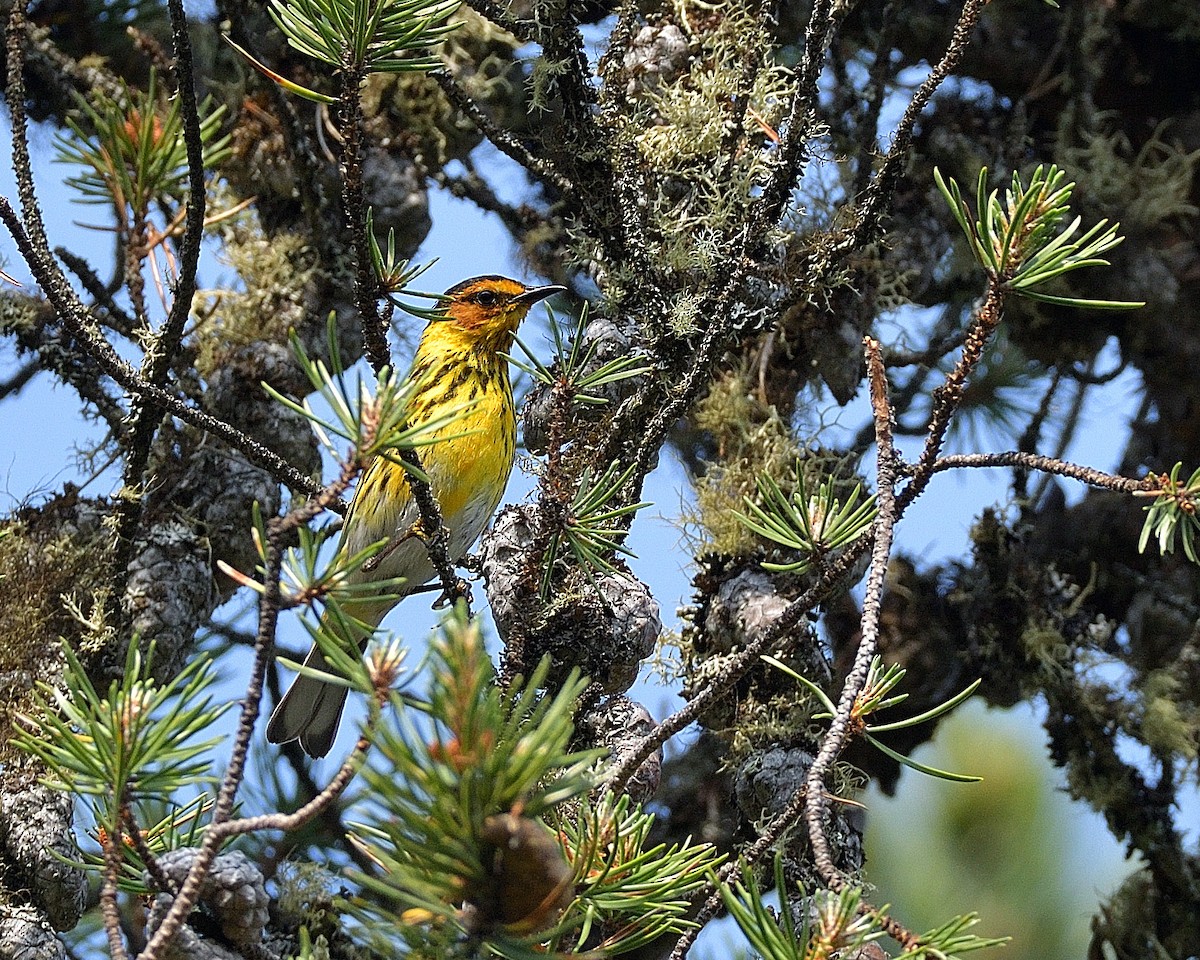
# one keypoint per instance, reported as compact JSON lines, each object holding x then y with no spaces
{"x":458,"y":359}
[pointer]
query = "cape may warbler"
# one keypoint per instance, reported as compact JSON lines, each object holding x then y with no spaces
{"x":459,"y":362}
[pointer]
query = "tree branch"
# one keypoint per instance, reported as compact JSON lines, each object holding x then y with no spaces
{"x":878,"y":198}
{"x":816,"y":807}
{"x":504,"y":141}
{"x":75,"y":316}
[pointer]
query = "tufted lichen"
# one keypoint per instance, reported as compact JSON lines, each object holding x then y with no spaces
{"x":54,"y":584}
{"x":275,"y":272}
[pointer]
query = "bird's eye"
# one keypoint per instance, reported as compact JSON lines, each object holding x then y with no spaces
{"x":487,"y":298}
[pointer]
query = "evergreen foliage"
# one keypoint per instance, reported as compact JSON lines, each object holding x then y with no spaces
{"x":757,"y":209}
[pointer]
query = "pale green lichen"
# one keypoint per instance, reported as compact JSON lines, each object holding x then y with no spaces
{"x":413,"y":107}
{"x":1167,"y":727}
{"x":52,"y":571}
{"x":750,"y":438}
{"x":268,"y":300}
{"x":685,"y":316}
{"x":18,"y":312}
{"x":690,"y":114}
{"x":1148,"y":186}
{"x":703,"y":157}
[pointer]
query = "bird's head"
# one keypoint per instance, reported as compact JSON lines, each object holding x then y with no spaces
{"x":489,"y":309}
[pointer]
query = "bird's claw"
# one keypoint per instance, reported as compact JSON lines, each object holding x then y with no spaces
{"x":459,"y":590}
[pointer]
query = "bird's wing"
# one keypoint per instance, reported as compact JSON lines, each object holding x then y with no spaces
{"x":383,"y":509}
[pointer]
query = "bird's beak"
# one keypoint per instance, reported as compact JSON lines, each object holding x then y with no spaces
{"x":534,"y":294}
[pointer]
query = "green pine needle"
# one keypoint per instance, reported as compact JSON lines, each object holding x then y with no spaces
{"x":376,"y":36}
{"x":138,"y":740}
{"x":574,"y":368}
{"x":810,"y":525}
{"x":1172,"y":518}
{"x":473,"y":752}
{"x":132,"y":149}
{"x":1021,"y":241}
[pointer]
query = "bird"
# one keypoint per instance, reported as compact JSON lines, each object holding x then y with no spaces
{"x":459,"y":360}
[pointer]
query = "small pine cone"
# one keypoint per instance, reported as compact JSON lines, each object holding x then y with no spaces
{"x":397,"y":195}
{"x":233,"y":894}
{"x":169,"y":591}
{"x":35,"y":824}
{"x":25,"y":934}
{"x":606,"y":341}
{"x":504,"y":569}
{"x":656,"y":55}
{"x":529,"y":881}
{"x":768,"y":779}
{"x":742,"y":609}
{"x":606,"y":630}
{"x":219,"y":489}
{"x":634,"y":625}
{"x":746,"y":606}
{"x":535,"y":419}
{"x":620,"y":724}
{"x":235,"y":390}
{"x":236,"y":395}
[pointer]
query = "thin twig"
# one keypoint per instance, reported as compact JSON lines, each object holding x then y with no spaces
{"x":14,"y":92}
{"x":317,"y":805}
{"x":1030,"y":437}
{"x":434,"y":533}
{"x":562,"y":43}
{"x":78,"y":322}
{"x":189,"y":257}
{"x":504,"y":141}
{"x":793,"y":148}
{"x":681,"y":396}
{"x":59,"y":354}
{"x":436,"y":536}
{"x":1070,"y":423}
{"x":330,"y":816}
{"x":736,"y":665}
{"x":279,"y":530}
{"x":138,"y":842}
{"x":811,"y":801}
{"x":731,"y":872}
{"x":308,"y":178}
{"x":816,"y":807}
{"x":186,"y":899}
{"x":948,"y":397}
{"x":163,"y":348}
{"x":1033,"y":461}
{"x":612,"y":71}
{"x":110,"y":910}
{"x":878,"y":196}
{"x":877,"y":77}
{"x":366,"y":283}
{"x":519,"y":220}
{"x":55,"y":68}
{"x":1096,"y":379}
{"x":13,"y":385}
{"x":117,"y":319}
{"x":896,"y":357}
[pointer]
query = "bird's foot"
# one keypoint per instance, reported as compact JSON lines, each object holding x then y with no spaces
{"x":459,"y":590}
